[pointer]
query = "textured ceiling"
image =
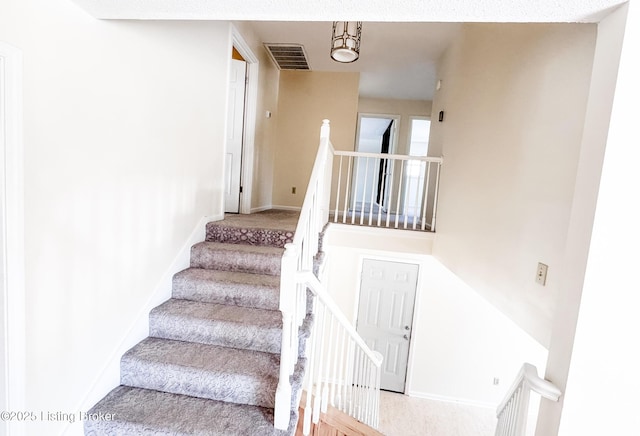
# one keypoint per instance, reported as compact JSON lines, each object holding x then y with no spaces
{"x":369,"y":10}
{"x":401,"y":39}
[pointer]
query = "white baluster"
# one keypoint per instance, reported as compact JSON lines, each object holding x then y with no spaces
{"x":337,"y":208}
{"x":317,"y":401}
{"x":364,"y":189}
{"x":347,"y":190}
{"x":354,"y":194}
{"x":327,"y":366}
{"x":391,"y":173}
{"x":400,"y":183}
{"x":426,"y":196}
{"x":435,"y":198}
{"x":373,"y":189}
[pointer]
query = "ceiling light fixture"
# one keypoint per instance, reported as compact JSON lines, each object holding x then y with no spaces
{"x":345,"y":41}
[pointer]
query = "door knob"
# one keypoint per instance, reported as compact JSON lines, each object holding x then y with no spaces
{"x":406,"y":327}
{"x":406,"y":337}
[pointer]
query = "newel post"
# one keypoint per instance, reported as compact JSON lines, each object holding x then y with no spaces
{"x":325,"y":130}
{"x":282,"y":411}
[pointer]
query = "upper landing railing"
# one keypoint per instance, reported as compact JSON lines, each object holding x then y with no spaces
{"x":386,"y":190}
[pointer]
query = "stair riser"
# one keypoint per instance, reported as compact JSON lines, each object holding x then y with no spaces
{"x":234,"y":235}
{"x":207,"y":291}
{"x":220,"y":333}
{"x":198,"y":383}
{"x":257,"y":263}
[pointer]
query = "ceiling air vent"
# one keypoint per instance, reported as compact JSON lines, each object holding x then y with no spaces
{"x":288,"y":56}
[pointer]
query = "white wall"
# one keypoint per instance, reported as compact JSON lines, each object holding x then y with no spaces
{"x":123,"y":126}
{"x":460,"y":342}
{"x":602,"y":389}
{"x":595,"y":290}
{"x":514,"y":97}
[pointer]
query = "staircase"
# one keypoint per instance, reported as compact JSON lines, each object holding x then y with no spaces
{"x":210,"y":365}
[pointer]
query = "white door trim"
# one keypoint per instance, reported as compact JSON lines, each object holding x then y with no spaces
{"x":13,"y":185}
{"x":250,"y":108}
{"x":418,"y":259}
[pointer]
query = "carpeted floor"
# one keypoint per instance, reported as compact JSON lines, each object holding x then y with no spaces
{"x":401,"y":415}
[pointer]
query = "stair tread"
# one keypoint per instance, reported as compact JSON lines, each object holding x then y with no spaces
{"x":251,"y":233}
{"x":218,"y":324}
{"x":220,"y":312}
{"x":206,"y":371}
{"x":237,"y":257}
{"x":227,"y":287}
{"x":138,"y":411}
{"x":212,"y":358}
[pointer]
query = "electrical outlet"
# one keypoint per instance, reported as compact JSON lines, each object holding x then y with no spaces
{"x":541,"y":274}
{"x":496,"y":381}
{"x":293,"y":189}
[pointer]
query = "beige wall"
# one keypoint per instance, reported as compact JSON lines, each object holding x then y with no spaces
{"x":514,"y":97}
{"x":404,"y":108}
{"x":123,"y":123}
{"x":304,"y":100}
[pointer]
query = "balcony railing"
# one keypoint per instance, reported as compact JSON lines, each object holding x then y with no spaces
{"x":386,"y":190}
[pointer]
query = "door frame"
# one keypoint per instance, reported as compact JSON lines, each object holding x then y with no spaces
{"x":13,"y":289}
{"x":393,"y":146}
{"x":250,"y":110}
{"x":401,"y":258}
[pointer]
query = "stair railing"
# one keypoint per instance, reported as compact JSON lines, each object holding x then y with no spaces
{"x":342,"y":370}
{"x":513,"y":412}
{"x":355,"y":385}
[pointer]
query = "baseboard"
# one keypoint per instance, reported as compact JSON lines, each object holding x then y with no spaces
{"x":109,"y":375}
{"x":296,"y":208}
{"x":444,"y":399}
{"x":260,"y":209}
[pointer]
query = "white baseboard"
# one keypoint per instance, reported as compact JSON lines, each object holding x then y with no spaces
{"x":109,"y":375}
{"x":445,"y":399}
{"x":260,"y":209}
{"x":296,"y":208}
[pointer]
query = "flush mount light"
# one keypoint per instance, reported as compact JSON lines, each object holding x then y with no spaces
{"x":345,"y":41}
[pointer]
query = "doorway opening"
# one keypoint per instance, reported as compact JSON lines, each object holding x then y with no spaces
{"x":370,"y":183}
{"x":415,"y":171}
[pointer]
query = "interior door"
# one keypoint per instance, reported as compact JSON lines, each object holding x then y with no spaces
{"x":235,"y":134}
{"x":385,"y":316}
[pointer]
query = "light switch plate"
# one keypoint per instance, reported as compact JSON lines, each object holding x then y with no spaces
{"x":541,"y":274}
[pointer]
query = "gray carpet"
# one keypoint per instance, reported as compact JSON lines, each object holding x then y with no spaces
{"x":210,"y":364}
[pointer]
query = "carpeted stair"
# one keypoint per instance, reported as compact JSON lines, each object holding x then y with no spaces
{"x":210,"y":364}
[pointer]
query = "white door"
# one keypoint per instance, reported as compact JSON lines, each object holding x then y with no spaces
{"x":385,"y":315}
{"x":235,"y":133}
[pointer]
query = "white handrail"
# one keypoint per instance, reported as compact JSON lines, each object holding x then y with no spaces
{"x":388,"y":156}
{"x":512,"y":413}
{"x":319,"y":291}
{"x":341,"y":367}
